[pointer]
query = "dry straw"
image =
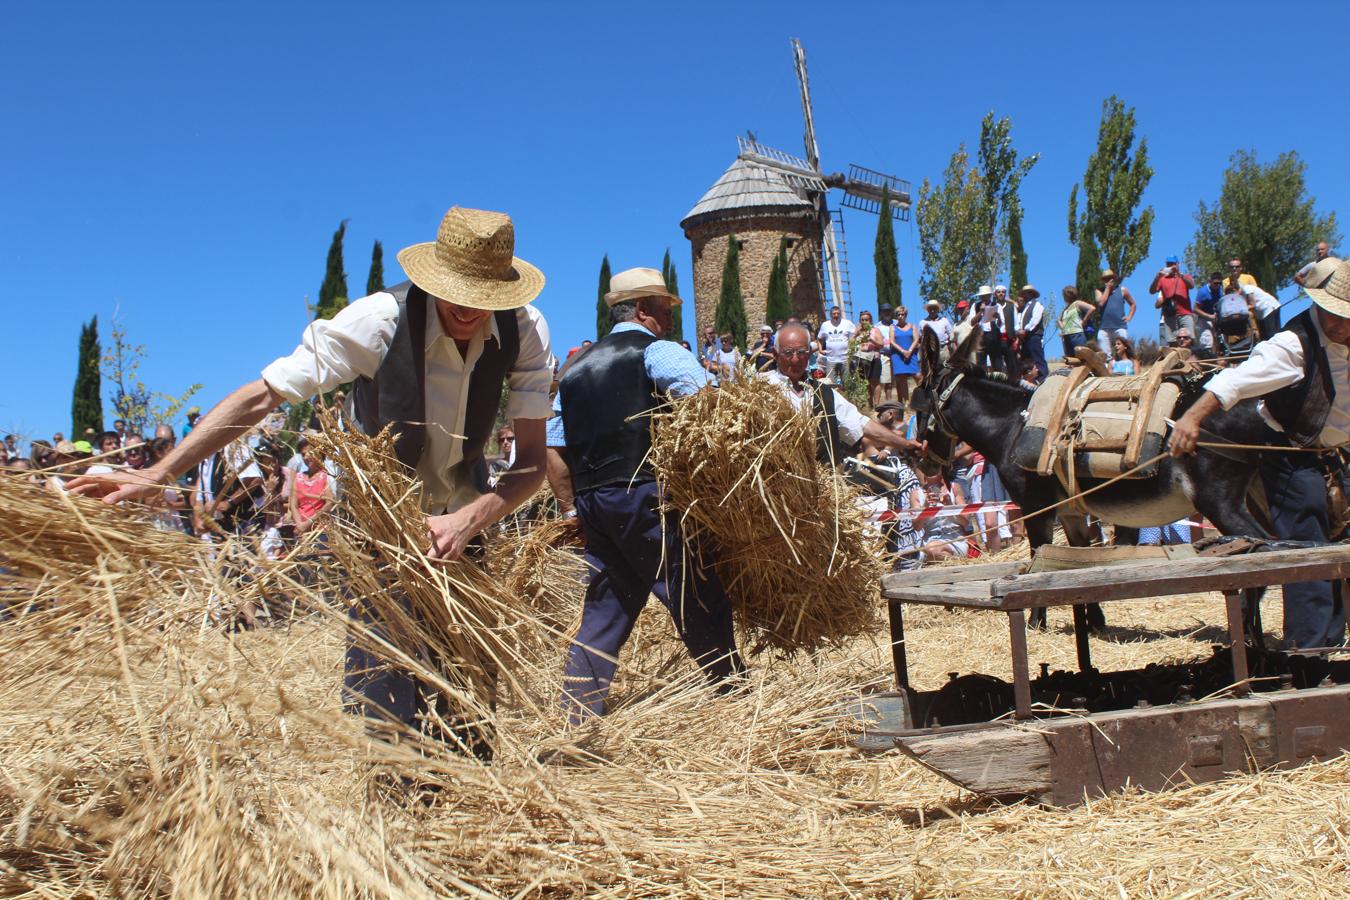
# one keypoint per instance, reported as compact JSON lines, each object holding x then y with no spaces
{"x":739,"y":465}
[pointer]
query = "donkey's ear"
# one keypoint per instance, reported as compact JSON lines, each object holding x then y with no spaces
{"x":963,"y":357}
{"x":930,"y":353}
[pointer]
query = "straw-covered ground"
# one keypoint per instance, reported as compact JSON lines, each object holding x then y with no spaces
{"x":146,"y":750}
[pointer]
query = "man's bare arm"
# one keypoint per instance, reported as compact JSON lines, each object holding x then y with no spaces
{"x":880,"y":434}
{"x":229,"y":419}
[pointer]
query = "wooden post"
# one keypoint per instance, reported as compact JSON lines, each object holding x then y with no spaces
{"x":898,"y":657}
{"x":1080,"y":637}
{"x":1134,"y":446}
{"x":1017,"y":630}
{"x":1237,"y":641}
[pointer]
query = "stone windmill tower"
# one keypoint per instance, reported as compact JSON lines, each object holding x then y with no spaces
{"x":767,"y":195}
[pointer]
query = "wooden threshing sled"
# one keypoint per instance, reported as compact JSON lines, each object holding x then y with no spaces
{"x":1063,"y":736}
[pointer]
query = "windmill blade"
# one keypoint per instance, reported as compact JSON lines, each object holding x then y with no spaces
{"x":863,"y":187}
{"x":812,"y":148}
{"x":794,"y":169}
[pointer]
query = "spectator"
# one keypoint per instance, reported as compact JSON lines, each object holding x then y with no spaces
{"x":1031,"y":376}
{"x":165,"y":433}
{"x":1076,"y":312}
{"x":1030,"y":329}
{"x":109,"y":458}
{"x":42,"y":454}
{"x":867,"y":357}
{"x":985,"y":312}
{"x":12,"y":445}
{"x":1173,"y":288}
{"x":724,"y":360}
{"x":58,"y":439}
{"x":1206,"y":310}
{"x":1007,"y":329}
{"x":193,"y":414}
{"x":834,"y":337}
{"x":4,"y":454}
{"x":685,"y":345}
{"x":134,"y":453}
{"x":506,"y":447}
{"x":1265,"y":310}
{"x":1235,"y":272}
{"x":1186,"y":341}
{"x":1320,"y":252}
{"x":1123,"y":357}
{"x":904,"y":497}
{"x":904,"y":354}
{"x":708,"y":345}
{"x":761,"y":352}
{"x":940,"y":325}
{"x":884,"y":329}
{"x":120,"y":426}
{"x":944,"y":536}
{"x":312,"y":495}
{"x":1112,"y":299}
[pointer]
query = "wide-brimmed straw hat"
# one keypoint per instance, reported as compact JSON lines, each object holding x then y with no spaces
{"x":1029,"y":289}
{"x":1328,"y":284}
{"x":472,"y":263}
{"x":984,"y":291}
{"x":633,"y":284}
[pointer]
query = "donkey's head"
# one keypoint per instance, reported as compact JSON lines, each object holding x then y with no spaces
{"x":930,"y":397}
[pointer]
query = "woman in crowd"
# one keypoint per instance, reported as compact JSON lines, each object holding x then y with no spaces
{"x":1076,"y":313}
{"x":867,"y":358}
{"x":905,"y":354}
{"x":1123,"y":363}
{"x":944,"y":536}
{"x":311,"y":493}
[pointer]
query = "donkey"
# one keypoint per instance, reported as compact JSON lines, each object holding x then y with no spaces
{"x":959,"y":401}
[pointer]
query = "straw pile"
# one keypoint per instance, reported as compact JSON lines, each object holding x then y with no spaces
{"x":739,"y":464}
{"x":192,"y":761}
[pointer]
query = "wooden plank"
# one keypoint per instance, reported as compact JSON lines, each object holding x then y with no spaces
{"x":1181,"y":576}
{"x":999,"y":761}
{"x":1148,"y":395}
{"x":1125,"y":396}
{"x":968,"y":596}
{"x":1046,"y":461}
{"x":953,"y":574}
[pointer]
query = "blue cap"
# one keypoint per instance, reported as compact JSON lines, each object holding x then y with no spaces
{"x":1171,"y":260}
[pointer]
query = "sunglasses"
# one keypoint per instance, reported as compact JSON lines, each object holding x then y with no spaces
{"x":795,"y":352}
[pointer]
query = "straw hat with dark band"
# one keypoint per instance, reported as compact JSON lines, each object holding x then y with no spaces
{"x":471,"y":262}
{"x":1328,"y":284}
{"x":633,"y":284}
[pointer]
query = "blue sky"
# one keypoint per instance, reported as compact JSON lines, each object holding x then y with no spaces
{"x":186,"y":164}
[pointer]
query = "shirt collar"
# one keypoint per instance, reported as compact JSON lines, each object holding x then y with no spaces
{"x":435,"y":332}
{"x":633,"y":326}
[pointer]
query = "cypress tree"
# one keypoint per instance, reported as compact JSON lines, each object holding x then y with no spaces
{"x":730,"y":315}
{"x":778,"y":304}
{"x":884,"y":257}
{"x":1017,"y":254}
{"x":333,"y":292}
{"x":1088,"y":275}
{"x":86,"y":404}
{"x":375,"y":280}
{"x":602,"y":324}
{"x":673,"y":285}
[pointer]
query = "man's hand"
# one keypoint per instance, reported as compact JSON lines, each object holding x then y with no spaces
{"x":1186,"y":431}
{"x":115,"y":487}
{"x":450,"y":534}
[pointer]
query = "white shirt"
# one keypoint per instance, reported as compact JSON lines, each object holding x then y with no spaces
{"x":851,"y":422}
{"x":941,"y":326}
{"x":835,"y":339}
{"x":1278,"y":363}
{"x":1262,"y":302}
{"x":354,"y":343}
{"x":1030,"y":321}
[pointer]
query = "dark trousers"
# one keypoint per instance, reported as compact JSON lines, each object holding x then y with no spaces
{"x":633,"y":552}
{"x":1314,"y":613}
{"x":391,"y":696}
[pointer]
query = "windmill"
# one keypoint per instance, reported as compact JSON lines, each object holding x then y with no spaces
{"x":861,"y":189}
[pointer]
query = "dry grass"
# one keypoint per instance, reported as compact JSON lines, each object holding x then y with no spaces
{"x":151,"y":754}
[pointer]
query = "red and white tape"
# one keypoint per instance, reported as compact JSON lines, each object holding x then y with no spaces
{"x":968,"y":509}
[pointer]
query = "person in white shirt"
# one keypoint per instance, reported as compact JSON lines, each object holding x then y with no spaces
{"x":940,"y":325}
{"x":1320,"y":252}
{"x":1302,"y":379}
{"x":725,"y":360}
{"x":1030,"y":328}
{"x":428,"y":358}
{"x":834,"y":337}
{"x":1265,"y":309}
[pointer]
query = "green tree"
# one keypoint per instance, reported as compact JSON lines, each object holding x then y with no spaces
{"x":1001,"y":175}
{"x":778,"y":303}
{"x":601,"y":307}
{"x":86,"y":402}
{"x":730,"y":315}
{"x":132,"y":401}
{"x":884,"y":257}
{"x":672,"y":281}
{"x":951,"y":216}
{"x":1017,"y":254}
{"x":333,"y":292}
{"x":375,"y":280}
{"x":1113,"y":186}
{"x":1265,"y":217}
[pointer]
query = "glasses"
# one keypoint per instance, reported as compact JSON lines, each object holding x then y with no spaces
{"x":795,"y":352}
{"x":1235,"y":266}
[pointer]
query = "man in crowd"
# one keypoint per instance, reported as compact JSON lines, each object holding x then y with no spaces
{"x":761,"y":352}
{"x":1320,"y":252}
{"x":12,"y":445}
{"x":1112,"y":298}
{"x":1030,"y":330}
{"x":1206,"y":310}
{"x":939,"y":324}
{"x":1235,"y":273}
{"x":984,"y":315}
{"x":841,"y":425}
{"x":725,"y":360}
{"x":1300,"y":376}
{"x":1173,"y":288}
{"x":1265,"y":309}
{"x":834,"y":337}
{"x":632,"y":549}
{"x":1007,"y":331}
{"x":428,"y":357}
{"x":123,"y":433}
{"x":193,"y":414}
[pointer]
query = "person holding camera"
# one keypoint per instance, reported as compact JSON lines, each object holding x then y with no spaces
{"x":1173,"y":288}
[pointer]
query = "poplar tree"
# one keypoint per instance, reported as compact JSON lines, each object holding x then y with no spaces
{"x":86,"y":403}
{"x":952,"y":241}
{"x":1017,"y":254}
{"x":375,"y":280}
{"x":673,"y":285}
{"x":602,"y":325}
{"x":884,"y":257}
{"x":1113,"y":186}
{"x":730,"y":315}
{"x":778,"y":304}
{"x":333,"y":292}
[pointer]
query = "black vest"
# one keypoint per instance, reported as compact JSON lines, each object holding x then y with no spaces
{"x":606,"y":394}
{"x":397,"y":394}
{"x":1302,"y":408}
{"x":829,"y":451}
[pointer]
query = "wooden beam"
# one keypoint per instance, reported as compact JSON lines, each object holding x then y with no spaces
{"x":998,"y":761}
{"x":953,"y":574}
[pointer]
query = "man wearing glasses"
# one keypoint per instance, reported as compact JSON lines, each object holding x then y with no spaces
{"x":1235,"y":273}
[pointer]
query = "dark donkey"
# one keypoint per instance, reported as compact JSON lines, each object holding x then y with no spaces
{"x":959,"y":401}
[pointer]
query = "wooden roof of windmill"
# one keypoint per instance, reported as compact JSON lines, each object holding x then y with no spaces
{"x":746,"y":185}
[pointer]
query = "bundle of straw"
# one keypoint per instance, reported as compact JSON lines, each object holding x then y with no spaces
{"x":739,"y":464}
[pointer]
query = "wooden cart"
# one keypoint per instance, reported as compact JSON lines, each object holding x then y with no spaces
{"x":995,"y":740}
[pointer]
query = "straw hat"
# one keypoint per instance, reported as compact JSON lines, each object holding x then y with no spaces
{"x":1328,"y":284}
{"x":1108,"y":273}
{"x":631,"y":284}
{"x":471,"y":263}
{"x":984,"y":291}
{"x":932,"y":304}
{"x":66,"y":448}
{"x":1029,"y":289}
